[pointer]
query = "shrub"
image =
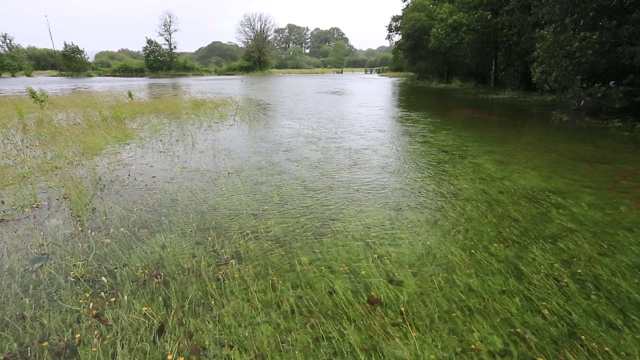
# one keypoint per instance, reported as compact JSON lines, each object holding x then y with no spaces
{"x":129,"y":67}
{"x":39,"y":97}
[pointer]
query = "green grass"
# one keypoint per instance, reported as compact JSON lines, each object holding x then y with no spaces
{"x":520,"y":265}
{"x":47,"y":145}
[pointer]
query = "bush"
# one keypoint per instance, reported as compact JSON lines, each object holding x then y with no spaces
{"x":40,"y":97}
{"x":129,"y":67}
{"x":184,"y":64}
{"x":238,"y":67}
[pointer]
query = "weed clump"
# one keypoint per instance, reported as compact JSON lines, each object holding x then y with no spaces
{"x":39,"y":97}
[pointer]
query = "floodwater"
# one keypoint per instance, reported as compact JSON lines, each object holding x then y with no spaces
{"x":508,"y":225}
{"x":321,"y":153}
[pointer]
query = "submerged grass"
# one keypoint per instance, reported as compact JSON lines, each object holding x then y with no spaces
{"x":46,"y":144}
{"x":519,"y":266}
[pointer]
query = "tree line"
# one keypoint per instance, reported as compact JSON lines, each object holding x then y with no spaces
{"x":588,"y":49}
{"x":261,"y":46}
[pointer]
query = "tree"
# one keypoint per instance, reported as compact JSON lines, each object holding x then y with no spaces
{"x":156,"y":57}
{"x":167,"y":29}
{"x":74,"y":59}
{"x":292,"y":35}
{"x":255,"y":32}
{"x":217,"y":54}
{"x":41,"y":59}
{"x":591,"y":50}
{"x":12,"y":55}
{"x":106,"y":59}
{"x":338,"y":54}
{"x":320,"y":39}
{"x":136,"y":55}
{"x":7,"y":43}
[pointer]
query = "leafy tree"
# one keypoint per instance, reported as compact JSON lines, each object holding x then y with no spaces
{"x":74,"y":59}
{"x":217,"y":54}
{"x":590,"y":50}
{"x":255,"y":32}
{"x":291,"y":35}
{"x":156,"y":57}
{"x":136,"y":55}
{"x":293,"y":58}
{"x":106,"y":59}
{"x":41,"y":59}
{"x":338,"y":54}
{"x":356,"y":61}
{"x":12,"y":55}
{"x":319,"y":39}
{"x":186,"y":64}
{"x":129,"y":66}
{"x":167,"y":29}
{"x":7,"y":43}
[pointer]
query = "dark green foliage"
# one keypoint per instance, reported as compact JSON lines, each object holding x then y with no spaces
{"x":356,"y":61}
{"x":136,"y":55}
{"x":41,"y":59}
{"x":74,"y":59}
{"x":12,"y":56}
{"x":129,"y":67}
{"x":156,"y":57}
{"x":590,"y":49}
{"x":292,"y":35}
{"x":217,"y":54}
{"x":293,"y":58}
{"x":238,"y":67}
{"x":338,"y":54}
{"x":186,"y":65}
{"x":121,"y":62}
{"x":106,"y":59}
{"x":321,"y":41}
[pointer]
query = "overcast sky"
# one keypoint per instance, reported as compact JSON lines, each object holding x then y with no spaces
{"x":114,"y":24}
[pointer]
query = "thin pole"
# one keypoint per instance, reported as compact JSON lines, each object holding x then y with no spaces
{"x":53,"y":44}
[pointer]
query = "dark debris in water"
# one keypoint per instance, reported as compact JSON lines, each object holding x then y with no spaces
{"x":374,"y":302}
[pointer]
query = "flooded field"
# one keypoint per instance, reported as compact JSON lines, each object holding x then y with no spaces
{"x":311,"y":216}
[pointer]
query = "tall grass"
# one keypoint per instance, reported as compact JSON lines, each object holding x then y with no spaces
{"x":516,"y":267}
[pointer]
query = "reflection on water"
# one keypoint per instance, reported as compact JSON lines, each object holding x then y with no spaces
{"x":308,"y":153}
